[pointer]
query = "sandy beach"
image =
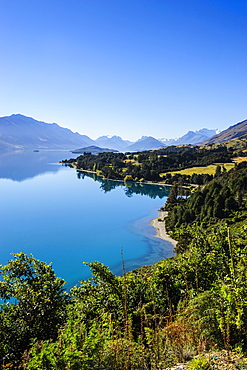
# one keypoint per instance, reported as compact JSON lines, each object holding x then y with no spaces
{"x":159,"y":225}
{"x":163,"y":247}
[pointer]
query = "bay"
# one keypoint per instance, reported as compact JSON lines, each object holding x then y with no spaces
{"x":65,"y":217}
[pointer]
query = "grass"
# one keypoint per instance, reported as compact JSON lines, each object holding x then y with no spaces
{"x":132,"y":161}
{"x":240,"y":159}
{"x":210,"y":170}
{"x":129,"y":161}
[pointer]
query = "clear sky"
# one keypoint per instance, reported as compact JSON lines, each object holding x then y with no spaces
{"x":125,"y":67}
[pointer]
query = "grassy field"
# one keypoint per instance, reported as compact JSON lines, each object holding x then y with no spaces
{"x":210,"y":170}
{"x":240,"y":159}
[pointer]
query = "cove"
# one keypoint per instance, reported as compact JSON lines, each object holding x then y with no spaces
{"x":65,"y":217}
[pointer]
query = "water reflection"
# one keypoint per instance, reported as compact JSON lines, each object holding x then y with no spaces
{"x":130,"y":188}
{"x":25,"y":164}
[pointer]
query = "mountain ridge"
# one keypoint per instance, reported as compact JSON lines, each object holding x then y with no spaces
{"x":230,"y":133}
{"x":191,"y":137}
{"x":21,"y":132}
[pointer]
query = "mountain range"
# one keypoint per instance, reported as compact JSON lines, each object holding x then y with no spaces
{"x":114,"y":142}
{"x":192,"y":137}
{"x":20,"y":132}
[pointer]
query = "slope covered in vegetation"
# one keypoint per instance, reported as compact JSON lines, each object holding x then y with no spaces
{"x":231,"y":133}
{"x":163,"y":165}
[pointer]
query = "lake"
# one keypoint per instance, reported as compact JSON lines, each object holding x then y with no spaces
{"x":65,"y":217}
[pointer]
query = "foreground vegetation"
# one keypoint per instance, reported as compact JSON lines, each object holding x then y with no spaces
{"x":149,"y":318}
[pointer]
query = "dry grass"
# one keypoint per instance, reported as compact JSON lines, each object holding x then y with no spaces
{"x":210,"y":170}
{"x":240,"y":159}
{"x":129,"y":161}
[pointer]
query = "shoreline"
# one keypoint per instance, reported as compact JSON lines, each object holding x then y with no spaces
{"x":160,"y":228}
{"x":159,"y":248}
{"x":119,"y":180}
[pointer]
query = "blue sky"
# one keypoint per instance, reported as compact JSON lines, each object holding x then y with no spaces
{"x":125,"y":67}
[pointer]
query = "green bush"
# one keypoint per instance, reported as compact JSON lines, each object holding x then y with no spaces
{"x":200,"y":363}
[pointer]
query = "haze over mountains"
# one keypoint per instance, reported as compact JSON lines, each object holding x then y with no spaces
{"x":114,"y":142}
{"x":145,"y":143}
{"x":192,"y":137}
{"x":20,"y":132}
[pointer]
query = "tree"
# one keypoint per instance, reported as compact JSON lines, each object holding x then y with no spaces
{"x":217,"y":171}
{"x":172,"y":197}
{"x":40,"y":305}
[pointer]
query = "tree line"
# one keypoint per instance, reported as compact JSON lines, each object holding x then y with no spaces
{"x":150,"y":165}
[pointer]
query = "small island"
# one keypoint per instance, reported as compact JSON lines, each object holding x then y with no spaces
{"x":93,"y":150}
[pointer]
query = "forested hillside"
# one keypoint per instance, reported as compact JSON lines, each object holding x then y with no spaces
{"x":164,"y":165}
{"x":149,"y":318}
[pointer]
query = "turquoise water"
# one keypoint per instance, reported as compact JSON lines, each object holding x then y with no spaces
{"x":65,"y":218}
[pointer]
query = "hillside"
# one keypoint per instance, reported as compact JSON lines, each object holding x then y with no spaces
{"x":187,"y":164}
{"x":21,"y":132}
{"x":231,"y":133}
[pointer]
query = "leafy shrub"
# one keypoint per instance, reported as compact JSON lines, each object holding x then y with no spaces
{"x":199,"y":363}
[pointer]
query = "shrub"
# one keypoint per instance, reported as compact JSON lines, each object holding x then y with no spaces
{"x":200,"y":363}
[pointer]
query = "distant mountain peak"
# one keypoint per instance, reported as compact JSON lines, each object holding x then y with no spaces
{"x":145,"y":143}
{"x":191,"y":137}
{"x":113,"y":142}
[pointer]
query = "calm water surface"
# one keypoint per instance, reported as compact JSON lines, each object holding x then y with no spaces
{"x":65,"y":218}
